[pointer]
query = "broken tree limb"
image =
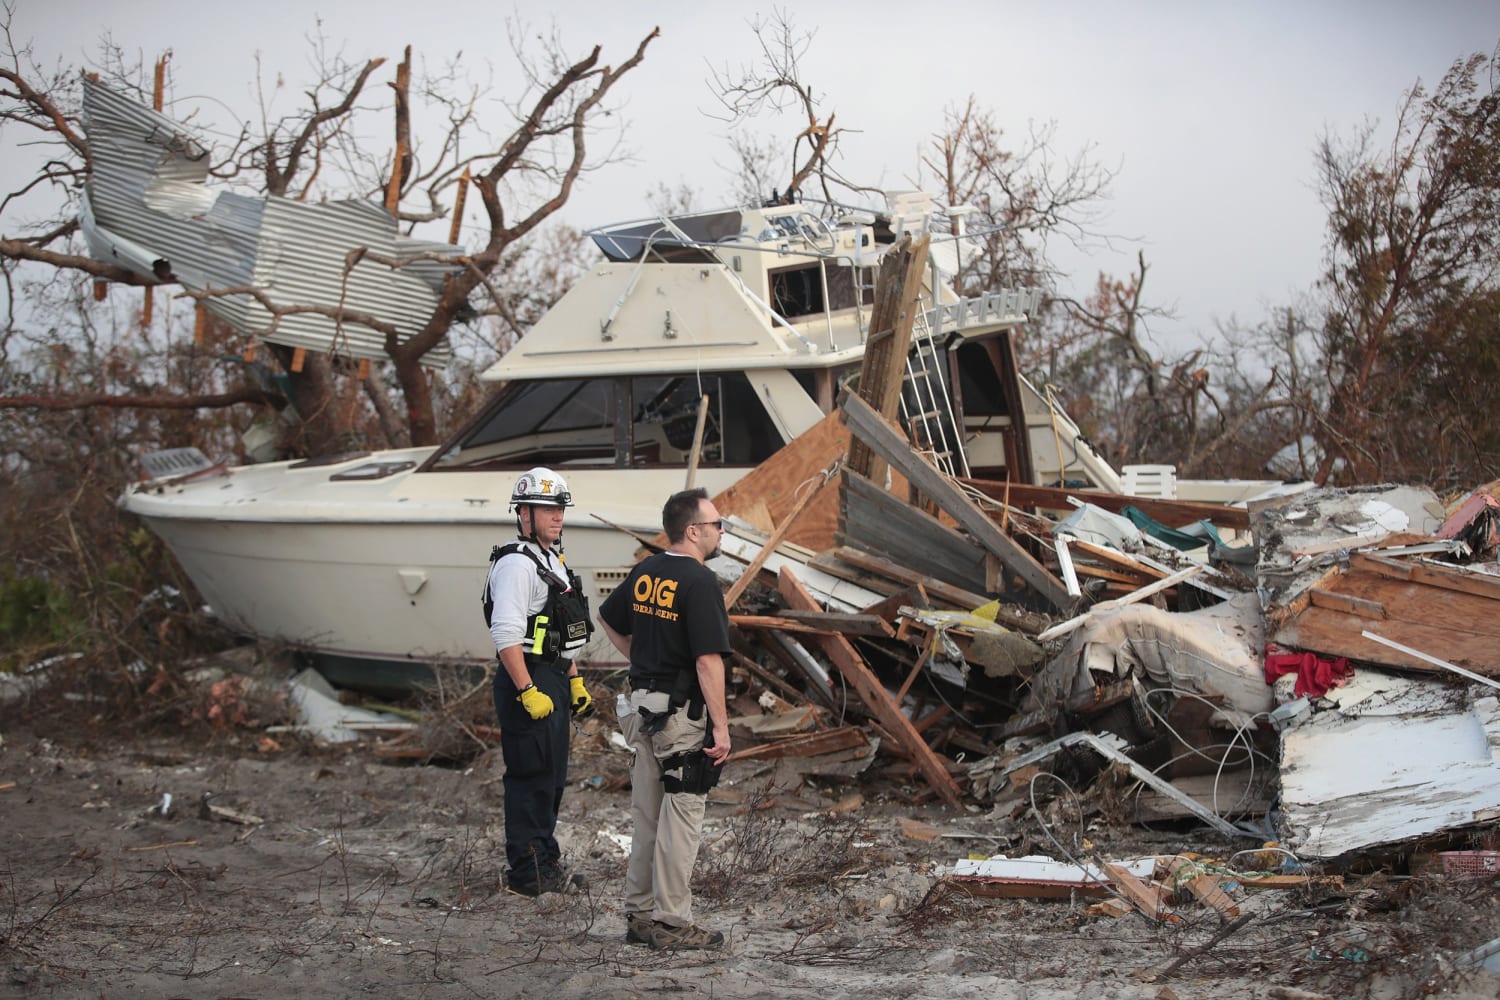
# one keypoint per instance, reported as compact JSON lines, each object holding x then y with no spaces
{"x":890,"y":444}
{"x":876,"y":698}
{"x":1063,"y":628}
{"x":1206,"y":946}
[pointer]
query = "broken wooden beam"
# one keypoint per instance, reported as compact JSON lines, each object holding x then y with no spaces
{"x":806,"y":744}
{"x":738,"y":587}
{"x":1172,"y":513}
{"x":1201,"y":886}
{"x":890,"y":444}
{"x":1144,"y":896}
{"x":847,"y":624}
{"x":873,"y":693}
{"x":1063,"y":628}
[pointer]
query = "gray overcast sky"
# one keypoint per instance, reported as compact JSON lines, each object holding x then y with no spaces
{"x":1210,"y":110}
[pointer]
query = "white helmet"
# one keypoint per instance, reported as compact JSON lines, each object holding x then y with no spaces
{"x":541,"y":486}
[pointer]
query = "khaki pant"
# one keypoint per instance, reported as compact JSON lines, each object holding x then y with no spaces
{"x":668,"y":827}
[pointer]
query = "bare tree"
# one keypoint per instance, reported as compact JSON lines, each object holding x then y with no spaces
{"x":776,"y":85}
{"x":1021,"y":197}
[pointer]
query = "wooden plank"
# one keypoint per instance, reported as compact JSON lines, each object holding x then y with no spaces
{"x":883,"y":366}
{"x":1343,"y":602}
{"x":778,"y":623}
{"x":806,"y":745}
{"x":955,"y":598}
{"x":774,"y":484}
{"x":1463,"y":581}
{"x":1116,"y":558}
{"x":911,"y":596}
{"x":873,"y":693}
{"x":887,"y":442}
{"x":1203,"y":887}
{"x":1142,"y":895}
{"x":1172,"y":513}
{"x":738,"y":587}
{"x":835,"y":621}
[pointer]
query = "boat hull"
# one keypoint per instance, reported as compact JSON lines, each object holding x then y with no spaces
{"x":396,"y":574}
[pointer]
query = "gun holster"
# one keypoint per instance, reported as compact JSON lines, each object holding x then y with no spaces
{"x":696,"y":774}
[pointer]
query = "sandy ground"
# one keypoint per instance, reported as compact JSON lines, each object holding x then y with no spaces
{"x":333,"y":873}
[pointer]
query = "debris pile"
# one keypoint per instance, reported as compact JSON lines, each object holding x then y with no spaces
{"x":1317,"y":669}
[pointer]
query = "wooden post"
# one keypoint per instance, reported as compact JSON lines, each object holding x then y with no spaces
{"x":249,"y":354}
{"x":364,"y":369}
{"x":299,"y":359}
{"x":692,"y":472}
{"x":200,"y":323}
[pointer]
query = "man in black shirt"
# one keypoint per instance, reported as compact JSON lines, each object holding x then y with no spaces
{"x":669,"y":618}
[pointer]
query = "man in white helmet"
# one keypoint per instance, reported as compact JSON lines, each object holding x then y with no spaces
{"x":538,"y":618}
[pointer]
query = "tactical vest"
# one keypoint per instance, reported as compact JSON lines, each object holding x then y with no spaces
{"x":563,"y":625}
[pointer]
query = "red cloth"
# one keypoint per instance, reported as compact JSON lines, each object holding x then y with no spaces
{"x":1315,"y":676}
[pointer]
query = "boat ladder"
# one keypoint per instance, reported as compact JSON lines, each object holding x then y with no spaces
{"x":926,"y":403}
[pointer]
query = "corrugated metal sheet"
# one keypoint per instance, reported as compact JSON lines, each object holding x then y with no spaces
{"x":148,"y":208}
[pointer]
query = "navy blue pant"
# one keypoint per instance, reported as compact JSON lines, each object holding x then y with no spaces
{"x":536,"y":771}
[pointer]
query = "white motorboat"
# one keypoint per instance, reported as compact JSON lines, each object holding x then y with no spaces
{"x":764,"y":311}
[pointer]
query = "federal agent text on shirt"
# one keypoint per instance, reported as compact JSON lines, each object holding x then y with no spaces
{"x":668,"y":617}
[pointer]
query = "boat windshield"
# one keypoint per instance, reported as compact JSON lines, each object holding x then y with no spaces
{"x":639,"y":421}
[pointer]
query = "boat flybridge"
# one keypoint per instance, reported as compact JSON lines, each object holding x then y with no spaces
{"x":762,"y":312}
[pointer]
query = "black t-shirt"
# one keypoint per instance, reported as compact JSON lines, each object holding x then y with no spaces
{"x":673,"y":610}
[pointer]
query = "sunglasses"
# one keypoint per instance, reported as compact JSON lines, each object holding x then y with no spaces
{"x":717,"y":525}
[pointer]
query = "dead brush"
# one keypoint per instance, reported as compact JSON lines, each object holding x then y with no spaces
{"x":759,"y":848}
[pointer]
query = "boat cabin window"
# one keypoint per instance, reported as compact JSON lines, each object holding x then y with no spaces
{"x":797,"y":292}
{"x":639,"y":421}
{"x":979,"y":381}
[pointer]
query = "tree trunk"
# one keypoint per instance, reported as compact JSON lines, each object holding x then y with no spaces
{"x":324,"y":427}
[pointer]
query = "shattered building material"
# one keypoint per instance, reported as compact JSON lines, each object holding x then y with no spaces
{"x":1437,"y":607}
{"x":873,"y":694}
{"x":921,"y":543}
{"x":1300,"y":536}
{"x":1475,"y":522}
{"x":1214,"y":650}
{"x":1174,"y":513}
{"x":1104,"y":749}
{"x":1395,"y":758}
{"x":148,"y":208}
{"x":887,"y":442}
{"x":1038,"y":877}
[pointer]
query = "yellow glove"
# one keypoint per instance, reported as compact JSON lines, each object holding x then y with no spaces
{"x":536,"y":703}
{"x":583,"y":705}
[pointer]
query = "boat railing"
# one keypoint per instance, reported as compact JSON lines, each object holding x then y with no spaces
{"x":985,"y":309}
